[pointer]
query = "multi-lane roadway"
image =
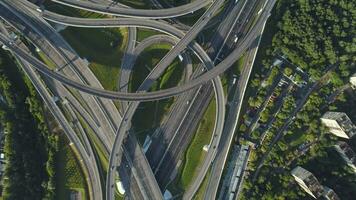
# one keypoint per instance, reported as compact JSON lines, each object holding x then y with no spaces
{"x":245,"y":42}
{"x":100,"y":112}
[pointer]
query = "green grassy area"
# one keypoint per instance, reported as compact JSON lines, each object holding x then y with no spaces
{"x":143,"y":33}
{"x":102,"y":47}
{"x":69,"y":173}
{"x":104,"y":54}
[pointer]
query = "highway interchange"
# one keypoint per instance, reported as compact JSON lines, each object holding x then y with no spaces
{"x":145,"y":179}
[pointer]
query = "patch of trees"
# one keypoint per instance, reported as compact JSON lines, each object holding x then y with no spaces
{"x":29,"y":146}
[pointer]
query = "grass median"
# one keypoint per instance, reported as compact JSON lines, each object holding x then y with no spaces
{"x":195,"y":155}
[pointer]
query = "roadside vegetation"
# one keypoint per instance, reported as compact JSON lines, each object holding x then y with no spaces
{"x":29,"y":146}
{"x":315,"y":37}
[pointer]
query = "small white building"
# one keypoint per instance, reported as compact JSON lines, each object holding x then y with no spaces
{"x":206,"y":148}
{"x":353,"y":81}
{"x":120,"y":187}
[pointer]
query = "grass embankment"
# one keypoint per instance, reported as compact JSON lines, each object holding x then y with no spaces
{"x":46,"y":60}
{"x":144,"y":123}
{"x":143,"y":33}
{"x":99,"y":148}
{"x":70,"y":177}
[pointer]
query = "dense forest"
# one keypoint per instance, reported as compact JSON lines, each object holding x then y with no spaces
{"x":29,"y":147}
{"x":317,"y":33}
{"x":313,"y":35}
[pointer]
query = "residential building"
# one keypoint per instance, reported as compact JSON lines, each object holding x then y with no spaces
{"x":329,"y":194}
{"x":308,"y":182}
{"x":339,"y":124}
{"x":347,"y":154}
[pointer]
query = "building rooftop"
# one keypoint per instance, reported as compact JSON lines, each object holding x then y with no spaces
{"x":329,"y":194}
{"x":347,"y":151}
{"x":309,"y":180}
{"x":333,"y":115}
{"x":343,"y":120}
